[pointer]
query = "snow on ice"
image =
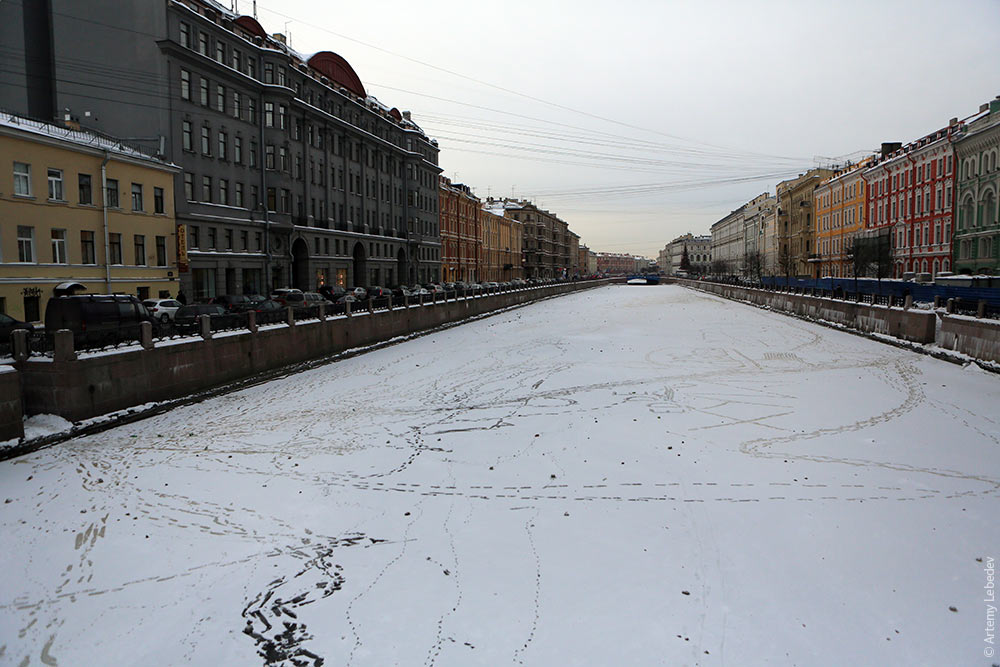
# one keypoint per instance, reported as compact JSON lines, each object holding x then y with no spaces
{"x":623,"y":476}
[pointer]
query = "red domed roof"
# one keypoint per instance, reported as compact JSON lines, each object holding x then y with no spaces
{"x":337,"y":69}
{"x":250,"y":24}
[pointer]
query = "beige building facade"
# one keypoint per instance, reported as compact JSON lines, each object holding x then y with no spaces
{"x":78,"y":207}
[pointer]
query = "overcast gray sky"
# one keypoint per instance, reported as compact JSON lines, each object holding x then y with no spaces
{"x":637,"y":121}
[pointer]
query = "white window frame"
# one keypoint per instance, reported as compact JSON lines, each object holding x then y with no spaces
{"x":22,"y":179}
{"x":26,"y":244}
{"x":57,"y":188}
{"x":59,"y":255}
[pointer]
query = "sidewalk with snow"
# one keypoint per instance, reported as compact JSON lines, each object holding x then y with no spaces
{"x":629,"y":475}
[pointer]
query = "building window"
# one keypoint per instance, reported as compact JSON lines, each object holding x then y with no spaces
{"x":244,"y":240}
{"x":282,"y":117}
{"x":253,"y":154}
{"x":272,"y":200}
{"x":220,"y":52}
{"x":111,"y":196}
{"x":251,"y":67}
{"x":158,"y":200}
{"x":59,"y":246}
{"x":25,"y":243}
{"x":286,"y":197}
{"x":223,"y":140}
{"x":237,"y":61}
{"x":220,"y":99}
{"x":238,"y":150}
{"x":193,"y":237}
{"x":223,"y":191}
{"x":186,"y":140}
{"x":229,"y":239}
{"x":237,"y":104}
{"x":87,"y":251}
{"x":188,"y":187}
{"x":84,"y":188}
{"x":268,"y":114}
{"x":140,"y":250}
{"x":206,"y":145}
{"x":203,"y":43}
{"x":204,"y":92}
{"x":251,"y":111}
{"x":185,"y":35}
{"x":115,"y":244}
{"x":269,"y":157}
{"x":185,"y":84}
{"x":238,"y":194}
{"x":254,"y":197}
{"x":161,"y":250}
{"x":55,"y":185}
{"x":283,"y":155}
{"x":211,"y":238}
{"x":206,"y":189}
{"x":258,"y":239}
{"x":137,"y":197}
{"x":268,"y":72}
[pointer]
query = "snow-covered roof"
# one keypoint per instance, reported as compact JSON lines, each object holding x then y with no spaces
{"x":86,"y":138}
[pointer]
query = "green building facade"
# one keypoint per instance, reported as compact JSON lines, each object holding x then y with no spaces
{"x":976,"y":245}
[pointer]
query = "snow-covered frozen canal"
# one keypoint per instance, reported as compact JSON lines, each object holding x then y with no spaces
{"x":629,"y":475}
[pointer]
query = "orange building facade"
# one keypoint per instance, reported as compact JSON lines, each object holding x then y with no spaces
{"x":840,"y":203}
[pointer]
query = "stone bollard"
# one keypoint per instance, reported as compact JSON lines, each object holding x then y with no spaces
{"x":406,"y":301}
{"x":146,"y":335}
{"x":252,"y":321}
{"x":371,"y":306}
{"x":908,"y":302}
{"x":950,"y":307}
{"x":347,"y":308}
{"x":421,"y":298}
{"x":290,"y":316}
{"x":981,"y":309}
{"x":322,"y":312}
{"x":19,"y":341}
{"x":205,"y":325}
{"x":465,"y":293}
{"x":937,"y":301}
{"x":388,"y":302}
{"x":62,"y":346}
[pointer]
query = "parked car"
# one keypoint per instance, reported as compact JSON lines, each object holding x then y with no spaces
{"x":233,"y":303}
{"x":97,"y":318}
{"x":360,"y":293}
{"x":347,"y":298}
{"x":186,"y":318}
{"x":162,"y":309}
{"x":434,"y":288}
{"x":417,"y":291}
{"x":378,"y":292}
{"x":254,"y":299}
{"x":314,"y":299}
{"x":331,"y":292}
{"x":267,"y":306}
{"x":490,"y":285}
{"x":9,"y":325}
{"x":294,"y":298}
{"x":402,"y":291}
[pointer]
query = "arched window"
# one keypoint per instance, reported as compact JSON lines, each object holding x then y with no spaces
{"x":966,"y":213}
{"x":936,"y":265}
{"x":989,"y":208}
{"x":923,"y":266}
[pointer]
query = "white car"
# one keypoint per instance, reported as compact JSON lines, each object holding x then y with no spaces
{"x":162,"y":309}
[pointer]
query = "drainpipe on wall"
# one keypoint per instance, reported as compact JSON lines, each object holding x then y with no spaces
{"x":263,"y":197}
{"x":104,"y":207}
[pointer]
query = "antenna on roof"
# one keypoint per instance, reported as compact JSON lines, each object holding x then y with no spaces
{"x":254,"y":10}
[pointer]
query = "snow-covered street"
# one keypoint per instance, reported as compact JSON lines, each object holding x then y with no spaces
{"x":628,"y":475}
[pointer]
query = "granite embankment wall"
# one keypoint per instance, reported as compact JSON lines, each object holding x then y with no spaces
{"x":977,"y":338}
{"x":96,"y":384}
{"x":11,"y":424}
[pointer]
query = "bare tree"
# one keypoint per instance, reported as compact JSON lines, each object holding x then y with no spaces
{"x":786,"y":263}
{"x":753,"y":265}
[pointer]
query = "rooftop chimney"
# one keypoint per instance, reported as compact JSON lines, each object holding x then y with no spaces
{"x":890,"y":147}
{"x":278,"y":37}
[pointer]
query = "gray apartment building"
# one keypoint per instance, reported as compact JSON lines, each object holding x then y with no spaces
{"x":291,"y":173}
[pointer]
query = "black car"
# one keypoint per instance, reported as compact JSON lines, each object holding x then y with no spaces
{"x":331,"y":292}
{"x":233,"y":303}
{"x":9,"y":325}
{"x":97,"y":318}
{"x":186,"y":317}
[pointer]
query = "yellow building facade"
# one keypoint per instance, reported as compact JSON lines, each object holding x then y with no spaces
{"x":78,"y":207}
{"x":500,"y":240}
{"x":840,"y":215}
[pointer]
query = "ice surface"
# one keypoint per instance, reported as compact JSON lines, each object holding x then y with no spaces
{"x":612,"y":477}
